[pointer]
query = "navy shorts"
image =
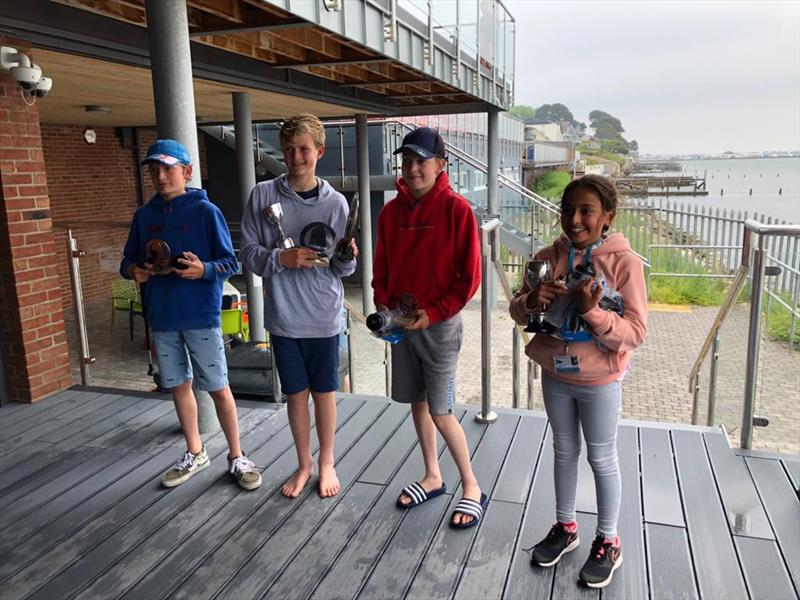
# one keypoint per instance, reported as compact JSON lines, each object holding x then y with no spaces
{"x":307,"y":363}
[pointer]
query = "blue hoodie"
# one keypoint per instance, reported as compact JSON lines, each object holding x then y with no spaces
{"x":187,"y":223}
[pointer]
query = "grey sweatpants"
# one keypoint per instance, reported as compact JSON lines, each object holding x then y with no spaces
{"x":595,"y":409}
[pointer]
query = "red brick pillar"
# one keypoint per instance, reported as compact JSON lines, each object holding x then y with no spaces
{"x":32,"y":331}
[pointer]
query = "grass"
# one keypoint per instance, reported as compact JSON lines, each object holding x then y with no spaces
{"x":551,"y":185}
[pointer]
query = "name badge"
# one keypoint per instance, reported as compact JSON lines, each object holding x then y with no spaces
{"x":566,"y":364}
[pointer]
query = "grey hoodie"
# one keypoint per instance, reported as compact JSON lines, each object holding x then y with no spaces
{"x":298,"y":303}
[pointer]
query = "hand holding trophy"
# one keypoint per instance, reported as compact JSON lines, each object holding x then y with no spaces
{"x":537,"y":272}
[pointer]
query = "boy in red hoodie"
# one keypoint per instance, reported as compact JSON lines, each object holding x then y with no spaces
{"x":427,"y":246}
{"x":583,"y":367}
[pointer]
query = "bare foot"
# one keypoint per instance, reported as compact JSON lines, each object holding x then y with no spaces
{"x":472,"y":492}
{"x":295,"y":485}
{"x":328,"y":481}
{"x":428,"y":484}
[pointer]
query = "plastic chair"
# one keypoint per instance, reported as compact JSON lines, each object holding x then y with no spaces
{"x":233,"y":323}
{"x":125,"y":296}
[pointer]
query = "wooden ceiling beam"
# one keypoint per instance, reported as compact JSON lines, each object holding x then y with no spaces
{"x":313,"y":39}
{"x":230,"y":10}
{"x":127,"y":12}
{"x":249,"y":27}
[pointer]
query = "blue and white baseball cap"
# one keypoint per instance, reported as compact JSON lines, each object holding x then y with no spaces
{"x":168,"y":152}
{"x":425,"y":142}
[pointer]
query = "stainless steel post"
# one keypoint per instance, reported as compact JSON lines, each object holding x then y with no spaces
{"x":348,"y":333}
{"x":387,"y":365}
{"x":530,"y":384}
{"x":80,"y":316}
{"x":487,"y":415}
{"x":277,"y":393}
{"x":712,"y":382}
{"x":695,"y":395}
{"x":757,"y":284}
{"x":365,"y":214}
{"x":492,"y":187}
{"x":246,"y":171}
{"x":514,"y":367}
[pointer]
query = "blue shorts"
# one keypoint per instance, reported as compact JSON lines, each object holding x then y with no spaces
{"x":307,"y":363}
{"x":180,"y":353}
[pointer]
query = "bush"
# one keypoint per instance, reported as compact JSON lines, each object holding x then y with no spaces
{"x":551,"y":185}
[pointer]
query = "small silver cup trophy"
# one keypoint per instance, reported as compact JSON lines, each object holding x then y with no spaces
{"x":274,"y":214}
{"x":536,"y":272}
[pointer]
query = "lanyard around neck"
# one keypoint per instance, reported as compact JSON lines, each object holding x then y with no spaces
{"x":586,"y":257}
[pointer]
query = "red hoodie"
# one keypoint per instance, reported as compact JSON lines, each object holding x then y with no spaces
{"x":623,"y":271}
{"x":429,"y":248}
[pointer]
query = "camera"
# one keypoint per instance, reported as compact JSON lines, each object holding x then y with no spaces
{"x":27,"y":77}
{"x":43,"y":87}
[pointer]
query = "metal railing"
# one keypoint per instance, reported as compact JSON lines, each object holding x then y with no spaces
{"x":756,"y":267}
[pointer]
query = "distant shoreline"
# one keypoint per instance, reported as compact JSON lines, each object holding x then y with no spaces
{"x":735,"y":157}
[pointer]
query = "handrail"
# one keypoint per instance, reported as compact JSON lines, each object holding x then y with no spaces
{"x":758,"y":264}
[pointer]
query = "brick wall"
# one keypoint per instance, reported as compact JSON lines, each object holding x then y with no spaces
{"x":33,"y":337}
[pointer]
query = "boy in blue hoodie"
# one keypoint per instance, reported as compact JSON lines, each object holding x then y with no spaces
{"x":302,"y":299}
{"x":183,"y":298}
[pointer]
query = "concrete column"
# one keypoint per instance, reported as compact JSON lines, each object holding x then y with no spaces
{"x":492,"y":191}
{"x":171,"y":71}
{"x":246,"y":172}
{"x":365,"y":215}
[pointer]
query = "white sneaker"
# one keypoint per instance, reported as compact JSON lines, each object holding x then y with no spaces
{"x":245,"y":472}
{"x":185,"y":468}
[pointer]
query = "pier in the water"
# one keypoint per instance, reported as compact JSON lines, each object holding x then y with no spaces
{"x":662,"y":185}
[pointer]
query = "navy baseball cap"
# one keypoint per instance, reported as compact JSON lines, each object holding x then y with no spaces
{"x":425,"y":142}
{"x":168,"y":152}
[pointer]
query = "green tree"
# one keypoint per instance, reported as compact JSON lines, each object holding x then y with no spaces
{"x":633,"y":146}
{"x":599,"y":117}
{"x":521,"y":111}
{"x":614,"y":146}
{"x":553,"y":113}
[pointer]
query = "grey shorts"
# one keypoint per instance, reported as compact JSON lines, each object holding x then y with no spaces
{"x":424,"y":366}
{"x":181,"y":353}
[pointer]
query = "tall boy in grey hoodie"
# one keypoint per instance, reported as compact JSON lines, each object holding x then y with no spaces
{"x":302,"y":300}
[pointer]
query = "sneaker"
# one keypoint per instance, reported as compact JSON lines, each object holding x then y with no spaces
{"x":604,"y":558}
{"x":185,"y":468}
{"x":557,"y":543}
{"x":245,"y":472}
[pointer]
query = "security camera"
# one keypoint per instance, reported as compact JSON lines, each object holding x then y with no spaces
{"x":28,"y":77}
{"x":43,"y":87}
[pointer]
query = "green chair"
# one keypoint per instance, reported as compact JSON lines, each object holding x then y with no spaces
{"x":234,"y":323}
{"x":125,"y":296}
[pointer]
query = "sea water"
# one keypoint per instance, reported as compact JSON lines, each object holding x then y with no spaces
{"x":769,"y":187}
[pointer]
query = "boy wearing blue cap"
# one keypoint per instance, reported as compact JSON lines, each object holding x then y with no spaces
{"x":179,"y":244}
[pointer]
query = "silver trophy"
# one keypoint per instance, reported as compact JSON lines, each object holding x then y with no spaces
{"x":537,"y":272}
{"x":274,"y":214}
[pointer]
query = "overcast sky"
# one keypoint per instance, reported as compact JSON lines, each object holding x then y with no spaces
{"x":683,"y":77}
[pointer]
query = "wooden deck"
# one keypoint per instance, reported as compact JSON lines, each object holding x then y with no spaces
{"x":83,"y":515}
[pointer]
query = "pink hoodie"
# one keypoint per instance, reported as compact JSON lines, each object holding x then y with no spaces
{"x":623,"y":271}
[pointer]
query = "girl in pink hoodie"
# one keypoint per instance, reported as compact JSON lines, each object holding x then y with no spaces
{"x":582,"y":370}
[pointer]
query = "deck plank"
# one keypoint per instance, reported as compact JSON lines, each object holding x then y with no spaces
{"x":439,"y":574}
{"x":793,"y":470}
{"x":269,"y":560}
{"x":743,"y":507}
{"x":14,"y":413}
{"x":401,"y":558}
{"x":715,"y":561}
{"x":524,"y":581}
{"x":669,"y":563}
{"x":67,"y":557}
{"x":308,"y":566}
{"x":485,"y":573}
{"x":269,"y":510}
{"x":764,"y":570}
{"x":661,"y":498}
{"x":354,"y":565}
{"x":565,"y":573}
{"x":515,"y":479}
{"x":630,"y":580}
{"x":783,"y":509}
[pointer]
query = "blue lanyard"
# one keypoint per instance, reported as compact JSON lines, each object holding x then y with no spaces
{"x":587,"y":257}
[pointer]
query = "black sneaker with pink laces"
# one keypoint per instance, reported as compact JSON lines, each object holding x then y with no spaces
{"x":558,"y":542}
{"x":605,"y":557}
